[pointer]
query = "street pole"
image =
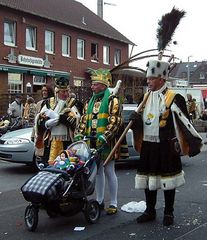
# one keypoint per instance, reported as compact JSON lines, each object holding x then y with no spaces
{"x":100,"y":8}
{"x":100,"y":4}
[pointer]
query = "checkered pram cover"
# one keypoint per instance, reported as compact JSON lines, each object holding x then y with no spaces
{"x":43,"y":187}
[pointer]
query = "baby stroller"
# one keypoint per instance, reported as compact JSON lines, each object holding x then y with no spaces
{"x":63,"y":193}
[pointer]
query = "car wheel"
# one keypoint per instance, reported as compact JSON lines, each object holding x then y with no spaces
{"x":31,"y":217}
{"x":92,"y":211}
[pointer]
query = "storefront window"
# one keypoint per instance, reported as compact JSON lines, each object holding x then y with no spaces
{"x":39,"y":80}
{"x":15,"y":83}
{"x":78,"y":83}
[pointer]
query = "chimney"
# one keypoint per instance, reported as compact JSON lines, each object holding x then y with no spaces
{"x":100,"y":8}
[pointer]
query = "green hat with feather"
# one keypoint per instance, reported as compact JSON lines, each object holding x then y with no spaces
{"x":101,"y":76}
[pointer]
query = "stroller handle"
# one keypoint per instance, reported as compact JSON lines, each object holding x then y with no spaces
{"x":94,"y":138}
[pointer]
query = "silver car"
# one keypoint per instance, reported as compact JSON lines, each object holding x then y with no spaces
{"x":16,"y":146}
{"x":133,"y":154}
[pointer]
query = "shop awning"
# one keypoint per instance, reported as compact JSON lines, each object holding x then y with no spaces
{"x":50,"y":73}
{"x":33,"y":71}
{"x":12,"y":69}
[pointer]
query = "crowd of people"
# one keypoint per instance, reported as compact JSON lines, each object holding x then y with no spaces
{"x":21,"y":115}
{"x":161,"y":134}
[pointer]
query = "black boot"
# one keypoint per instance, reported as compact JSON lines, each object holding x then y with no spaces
{"x":146,"y":217}
{"x":150,"y":213}
{"x":168,"y":218}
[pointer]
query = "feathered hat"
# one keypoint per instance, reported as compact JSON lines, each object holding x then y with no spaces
{"x":155,"y":68}
{"x":165,"y":31}
{"x":62,"y":83}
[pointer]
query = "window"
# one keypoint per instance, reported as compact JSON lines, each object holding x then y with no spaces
{"x":80,"y":49}
{"x":31,"y":38}
{"x":49,"y":41}
{"x":15,"y":83}
{"x":78,"y":83}
{"x":183,"y":75}
{"x":202,"y":75}
{"x":9,"y":33}
{"x":39,"y":80}
{"x":117,"y":57}
{"x":106,"y":56}
{"x":65,"y":45}
{"x":94,"y":52}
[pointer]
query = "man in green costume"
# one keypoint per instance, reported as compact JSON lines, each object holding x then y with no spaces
{"x":102,"y":119}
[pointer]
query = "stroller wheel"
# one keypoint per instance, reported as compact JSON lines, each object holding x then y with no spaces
{"x":92,"y":211}
{"x":31,"y":217}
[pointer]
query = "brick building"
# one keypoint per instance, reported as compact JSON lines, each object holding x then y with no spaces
{"x":42,"y":40}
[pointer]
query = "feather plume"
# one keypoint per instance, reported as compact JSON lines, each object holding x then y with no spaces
{"x":167,"y":26}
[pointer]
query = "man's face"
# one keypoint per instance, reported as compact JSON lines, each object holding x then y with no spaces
{"x":18,"y":99}
{"x":44,"y":92}
{"x":97,"y":87}
{"x":63,"y":94}
{"x":154,"y":83}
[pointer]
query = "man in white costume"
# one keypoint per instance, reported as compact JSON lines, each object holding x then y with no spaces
{"x":57,"y":121}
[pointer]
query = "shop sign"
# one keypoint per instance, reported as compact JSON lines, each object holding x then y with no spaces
{"x":32,"y":61}
{"x":181,"y":83}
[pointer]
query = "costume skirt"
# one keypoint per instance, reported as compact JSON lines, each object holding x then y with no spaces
{"x":159,"y":166}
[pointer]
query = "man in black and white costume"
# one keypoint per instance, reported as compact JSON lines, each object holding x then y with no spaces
{"x":162,"y":133}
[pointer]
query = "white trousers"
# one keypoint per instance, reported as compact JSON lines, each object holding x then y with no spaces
{"x":107,"y":172}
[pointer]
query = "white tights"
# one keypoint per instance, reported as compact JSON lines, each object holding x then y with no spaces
{"x":109,"y":172}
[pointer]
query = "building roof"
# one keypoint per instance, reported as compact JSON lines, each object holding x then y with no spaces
{"x":182,"y":67}
{"x":195,"y":69}
{"x":68,"y":12}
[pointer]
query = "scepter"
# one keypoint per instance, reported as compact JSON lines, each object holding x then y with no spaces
{"x":139,"y":108}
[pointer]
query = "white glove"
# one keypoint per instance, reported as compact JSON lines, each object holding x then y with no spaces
{"x":51,"y":114}
{"x":51,"y":123}
{"x":9,"y":112}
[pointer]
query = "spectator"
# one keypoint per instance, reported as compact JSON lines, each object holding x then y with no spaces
{"x":29,"y":112}
{"x":204,"y":115}
{"x":191,"y":106}
{"x":15,"y":109}
{"x":47,"y":92}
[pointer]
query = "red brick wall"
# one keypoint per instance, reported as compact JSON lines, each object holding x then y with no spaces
{"x":59,"y":62}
